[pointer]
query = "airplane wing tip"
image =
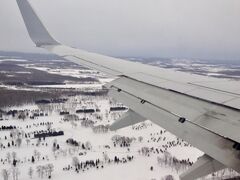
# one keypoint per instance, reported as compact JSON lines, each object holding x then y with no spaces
{"x":36,"y":30}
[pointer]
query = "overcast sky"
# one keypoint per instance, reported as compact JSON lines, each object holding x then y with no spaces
{"x":149,"y":28}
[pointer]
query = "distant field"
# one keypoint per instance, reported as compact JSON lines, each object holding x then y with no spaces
{"x":214,"y":68}
{"x":13,"y":74}
{"x":18,"y":81}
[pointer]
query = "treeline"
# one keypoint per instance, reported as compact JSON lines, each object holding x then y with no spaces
{"x":34,"y":76}
{"x":10,"y":97}
{"x":48,"y":134}
{"x":97,"y":92}
{"x":21,"y":97}
{"x":3,"y":128}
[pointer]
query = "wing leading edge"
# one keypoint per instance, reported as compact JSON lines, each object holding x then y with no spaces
{"x":189,"y":106}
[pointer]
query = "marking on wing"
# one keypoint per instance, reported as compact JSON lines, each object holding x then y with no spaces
{"x":82,"y":59}
{"x":188,"y":95}
{"x":214,"y":89}
{"x":189,"y":89}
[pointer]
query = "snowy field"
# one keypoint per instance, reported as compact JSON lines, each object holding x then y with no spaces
{"x":213,"y":68}
{"x":145,"y":136}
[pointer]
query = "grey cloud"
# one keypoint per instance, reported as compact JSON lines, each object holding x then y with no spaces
{"x":167,"y":28}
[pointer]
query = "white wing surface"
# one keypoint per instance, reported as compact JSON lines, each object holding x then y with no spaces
{"x":204,"y":111}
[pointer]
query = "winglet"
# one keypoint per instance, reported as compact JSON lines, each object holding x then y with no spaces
{"x":36,"y":30}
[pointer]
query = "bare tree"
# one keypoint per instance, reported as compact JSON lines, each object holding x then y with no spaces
{"x":74,"y":125}
{"x":50,"y":169}
{"x":27,"y":141}
{"x":43,"y":170}
{"x":49,"y":126}
{"x":8,"y":157}
{"x":1,"y":145}
{"x":105,"y":157}
{"x":88,"y":145}
{"x":54,"y":148}
{"x":30,"y":172}
{"x":140,"y":138}
{"x":75,"y":161}
{"x":19,"y":141}
{"x":169,"y":177}
{"x":13,"y":133}
{"x":39,"y":170}
{"x":38,"y":142}
{"x":14,"y":155}
{"x":23,"y":133}
{"x":36,"y":154}
{"x":22,"y":116}
{"x":15,"y":173}
{"x":55,"y":142}
{"x":5,"y":174}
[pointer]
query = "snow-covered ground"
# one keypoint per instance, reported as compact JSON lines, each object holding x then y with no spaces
{"x":79,"y":73}
{"x":138,"y":168}
{"x":13,"y":60}
{"x":70,"y":86}
{"x":159,"y":143}
{"x":221,"y":69}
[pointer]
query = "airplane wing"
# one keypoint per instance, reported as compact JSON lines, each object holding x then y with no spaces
{"x":203,"y":111}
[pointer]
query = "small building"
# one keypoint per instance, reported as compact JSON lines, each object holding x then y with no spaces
{"x":85,"y":111}
{"x":118,"y":108}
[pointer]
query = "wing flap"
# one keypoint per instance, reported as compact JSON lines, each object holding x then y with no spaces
{"x":214,"y":145}
{"x":202,"y":113}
